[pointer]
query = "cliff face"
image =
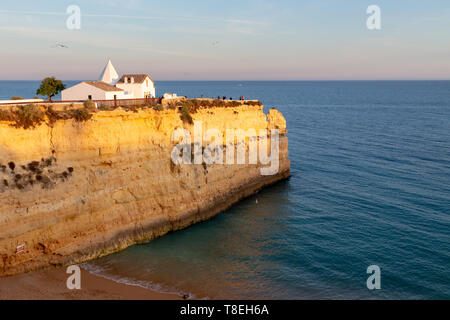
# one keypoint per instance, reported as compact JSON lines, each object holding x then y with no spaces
{"x":79,"y":190}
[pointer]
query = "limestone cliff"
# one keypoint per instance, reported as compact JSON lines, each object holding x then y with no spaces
{"x":75,"y":191}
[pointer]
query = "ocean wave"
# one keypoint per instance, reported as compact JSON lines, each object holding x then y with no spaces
{"x":148,"y":285}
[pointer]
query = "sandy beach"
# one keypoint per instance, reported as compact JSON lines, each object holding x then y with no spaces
{"x":51,"y":285}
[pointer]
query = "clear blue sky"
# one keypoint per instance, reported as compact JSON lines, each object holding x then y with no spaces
{"x":233,"y":39}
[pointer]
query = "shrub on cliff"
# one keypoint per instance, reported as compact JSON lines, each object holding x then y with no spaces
{"x":16,"y":98}
{"x":6,"y":115}
{"x":52,"y":116}
{"x":89,"y":104}
{"x":131,"y":108}
{"x":81,"y":115}
{"x":185,"y":115}
{"x":253,"y":103}
{"x":105,"y":107}
{"x":196,"y":104}
{"x":28,"y":116}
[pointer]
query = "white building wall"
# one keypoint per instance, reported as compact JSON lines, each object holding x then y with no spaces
{"x":138,"y":90}
{"x":119,"y":95}
{"x":150,"y":88}
{"x":131,"y":89}
{"x":82,"y":91}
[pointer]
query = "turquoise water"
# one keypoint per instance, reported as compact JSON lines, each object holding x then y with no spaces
{"x":370,"y":164}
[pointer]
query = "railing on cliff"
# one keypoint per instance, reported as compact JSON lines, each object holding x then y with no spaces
{"x":148,"y":102}
{"x":104,"y":103}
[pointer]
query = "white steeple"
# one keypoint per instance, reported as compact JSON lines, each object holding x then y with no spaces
{"x":109,"y":74}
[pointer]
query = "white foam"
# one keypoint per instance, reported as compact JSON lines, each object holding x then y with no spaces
{"x":102,"y":272}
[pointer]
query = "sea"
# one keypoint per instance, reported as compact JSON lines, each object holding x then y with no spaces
{"x":370,"y":185}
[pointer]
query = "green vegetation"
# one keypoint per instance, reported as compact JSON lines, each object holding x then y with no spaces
{"x":195,"y":104}
{"x":81,"y":115}
{"x":89,"y":104}
{"x":185,"y":114}
{"x":28,"y":116}
{"x":52,"y":116}
{"x":50,"y":87}
{"x":6,"y":115}
{"x":41,"y":173}
{"x":31,"y":115}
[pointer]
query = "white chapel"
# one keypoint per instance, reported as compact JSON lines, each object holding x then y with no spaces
{"x":110,"y":87}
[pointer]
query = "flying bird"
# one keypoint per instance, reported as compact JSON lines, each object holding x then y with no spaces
{"x":60,"y":45}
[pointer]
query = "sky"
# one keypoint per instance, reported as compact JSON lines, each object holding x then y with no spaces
{"x":226,"y":40}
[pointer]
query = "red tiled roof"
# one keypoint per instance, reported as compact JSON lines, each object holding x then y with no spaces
{"x":138,"y":78}
{"x":103,"y":86}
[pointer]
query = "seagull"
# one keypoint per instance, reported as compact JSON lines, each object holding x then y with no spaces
{"x":60,"y":45}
